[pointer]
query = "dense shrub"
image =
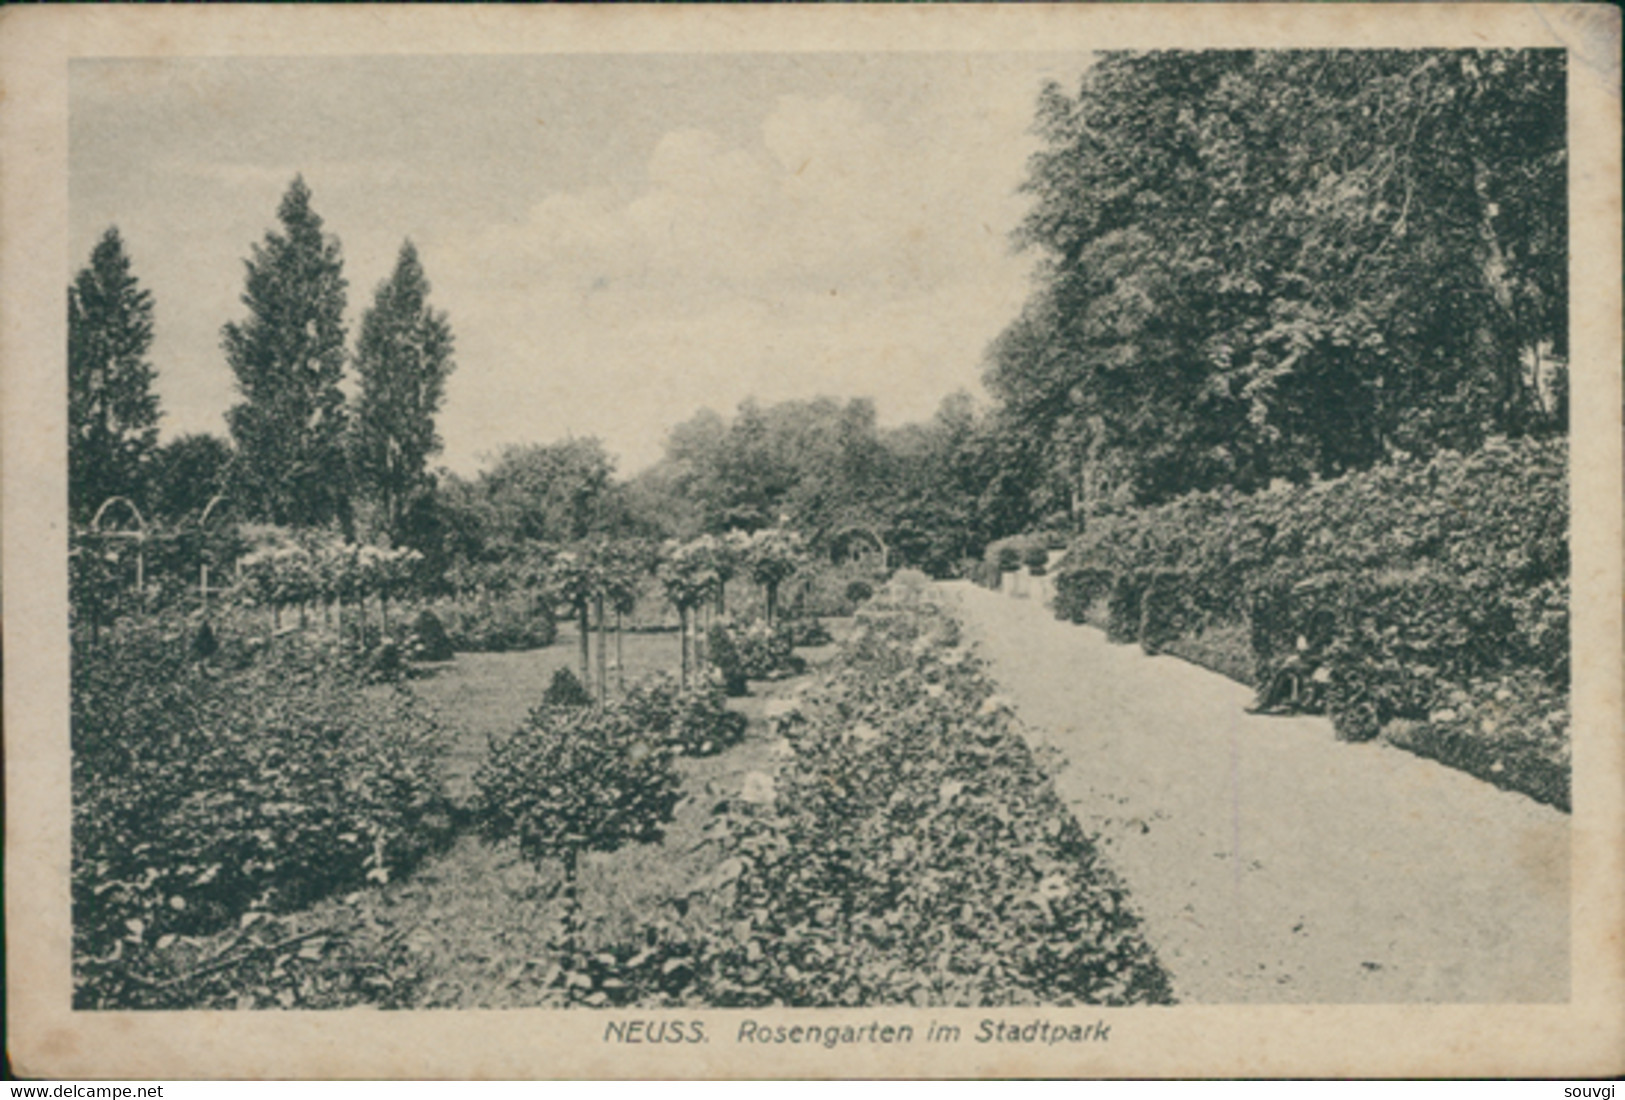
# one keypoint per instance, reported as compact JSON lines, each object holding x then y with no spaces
{"x":203,"y":791}
{"x":753,"y":651}
{"x":1167,"y":609}
{"x":1408,"y":582}
{"x":1009,"y":559}
{"x":859,"y":590}
{"x":807,"y":631}
{"x":1512,"y":731}
{"x":1123,"y":613}
{"x":565,"y":690}
{"x":819,"y":589}
{"x":910,"y":851}
{"x":695,"y":722}
{"x":499,"y":624}
{"x":1036,"y":559}
{"x":1078,"y":589}
{"x":429,"y":640}
{"x":726,"y":661}
{"x":574,"y":779}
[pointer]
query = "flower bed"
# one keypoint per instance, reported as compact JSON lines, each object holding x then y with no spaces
{"x":204,"y":792}
{"x":907,"y":850}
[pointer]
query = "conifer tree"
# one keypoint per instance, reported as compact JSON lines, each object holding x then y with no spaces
{"x":288,"y":356}
{"x":112,"y":411}
{"x":402,"y":357}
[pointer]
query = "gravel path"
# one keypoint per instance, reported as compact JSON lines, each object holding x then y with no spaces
{"x":1272,"y":863}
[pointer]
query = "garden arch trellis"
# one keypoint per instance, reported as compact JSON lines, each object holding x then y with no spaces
{"x":203,"y":547}
{"x":841,"y":539}
{"x":138,"y":536}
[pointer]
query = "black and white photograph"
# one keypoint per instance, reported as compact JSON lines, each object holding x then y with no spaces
{"x":848,"y":555}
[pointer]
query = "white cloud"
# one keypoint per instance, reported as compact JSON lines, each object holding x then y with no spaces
{"x":835,"y":256}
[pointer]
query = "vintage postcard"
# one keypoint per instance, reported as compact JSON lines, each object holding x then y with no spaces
{"x":812,"y":541}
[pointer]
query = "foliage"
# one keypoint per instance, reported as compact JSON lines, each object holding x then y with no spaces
{"x":692,"y":722}
{"x":187,"y":473}
{"x":565,"y":690}
{"x":288,"y":358}
{"x":502,"y":624}
{"x":1233,"y":242}
{"x":402,"y":358}
{"x":429,"y":640}
{"x":859,"y":590}
{"x":574,"y":780}
{"x":809,"y":630}
{"x":112,"y":409}
{"x":726,"y":661}
{"x":1408,"y":581}
{"x":1512,"y":731}
{"x":752,"y":651}
{"x":687,"y":572}
{"x":908,"y":851}
{"x":285,"y":572}
{"x":559,"y":493}
{"x":1078,"y":588}
{"x":204,"y":791}
{"x":822,"y":589}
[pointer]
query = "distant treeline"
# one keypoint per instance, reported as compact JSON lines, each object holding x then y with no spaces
{"x":1255,"y":267}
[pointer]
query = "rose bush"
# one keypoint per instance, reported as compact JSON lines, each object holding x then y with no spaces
{"x":204,"y":791}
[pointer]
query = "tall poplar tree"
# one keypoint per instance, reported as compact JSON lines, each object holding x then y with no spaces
{"x":288,"y":356}
{"x":112,"y":411}
{"x":402,"y":357}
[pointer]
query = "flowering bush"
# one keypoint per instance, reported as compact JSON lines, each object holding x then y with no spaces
{"x":908,"y":851}
{"x":575,"y":780}
{"x":754,"y":651}
{"x":692,"y":722}
{"x":774,"y":555}
{"x":204,"y":792}
{"x":283,"y":572}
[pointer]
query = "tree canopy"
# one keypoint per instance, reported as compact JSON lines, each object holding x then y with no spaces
{"x":1289,"y":264}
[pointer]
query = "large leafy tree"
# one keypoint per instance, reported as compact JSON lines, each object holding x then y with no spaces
{"x":288,"y":356}
{"x":112,"y":411}
{"x":1290,"y":264}
{"x":402,"y":357}
{"x":187,"y":473}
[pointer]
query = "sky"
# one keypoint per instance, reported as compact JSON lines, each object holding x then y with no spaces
{"x":618,"y":240}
